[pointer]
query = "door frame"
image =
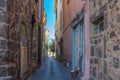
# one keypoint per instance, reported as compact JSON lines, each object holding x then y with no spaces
{"x":74,"y":25}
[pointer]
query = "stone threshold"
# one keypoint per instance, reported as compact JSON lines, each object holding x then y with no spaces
{"x":6,"y":78}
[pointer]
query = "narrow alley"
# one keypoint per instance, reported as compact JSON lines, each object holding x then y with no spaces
{"x":59,"y":39}
{"x":52,"y":70}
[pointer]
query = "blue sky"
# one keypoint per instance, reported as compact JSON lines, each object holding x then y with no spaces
{"x":49,"y":8}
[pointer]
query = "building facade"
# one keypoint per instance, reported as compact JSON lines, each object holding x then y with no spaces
{"x":91,"y":41}
{"x":76,"y":40}
{"x":19,"y":30}
{"x":41,"y":31}
{"x":44,"y":55}
{"x":46,"y":42}
{"x":58,"y":27}
{"x":105,"y":39}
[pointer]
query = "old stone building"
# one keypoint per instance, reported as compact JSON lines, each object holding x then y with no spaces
{"x":58,"y":9}
{"x":105,"y":39}
{"x":20,"y":42}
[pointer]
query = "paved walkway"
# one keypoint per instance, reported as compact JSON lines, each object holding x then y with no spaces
{"x":52,"y":70}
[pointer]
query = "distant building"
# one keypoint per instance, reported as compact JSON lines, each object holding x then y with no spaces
{"x":46,"y":42}
{"x":46,"y":37}
{"x":44,"y":21}
{"x":58,"y":8}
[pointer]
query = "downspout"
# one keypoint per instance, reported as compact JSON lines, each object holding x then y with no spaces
{"x":31,"y":28}
{"x":87,"y":41}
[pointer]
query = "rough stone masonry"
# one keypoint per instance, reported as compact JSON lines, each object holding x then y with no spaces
{"x":14,"y":14}
{"x":105,"y":46}
{"x":3,"y":41}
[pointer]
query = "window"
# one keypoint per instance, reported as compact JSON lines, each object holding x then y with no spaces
{"x":23,"y":35}
{"x":100,"y":27}
{"x":60,"y":20}
{"x":56,"y":13}
{"x":36,"y":1}
{"x":98,"y":24}
{"x":68,"y":1}
{"x":23,"y":31}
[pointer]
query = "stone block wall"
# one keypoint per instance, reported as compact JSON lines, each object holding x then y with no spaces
{"x":4,"y":73}
{"x":105,"y":46}
{"x":14,"y":14}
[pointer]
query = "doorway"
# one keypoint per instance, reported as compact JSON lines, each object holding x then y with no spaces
{"x":24,"y":53}
{"x":79,"y":46}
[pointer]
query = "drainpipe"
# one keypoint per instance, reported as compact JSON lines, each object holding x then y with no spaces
{"x":87,"y":41}
{"x":30,"y":57}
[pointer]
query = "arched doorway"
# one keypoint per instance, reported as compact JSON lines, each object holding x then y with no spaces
{"x":24,"y":51}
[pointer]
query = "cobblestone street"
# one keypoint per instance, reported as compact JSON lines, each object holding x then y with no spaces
{"x":52,"y":70}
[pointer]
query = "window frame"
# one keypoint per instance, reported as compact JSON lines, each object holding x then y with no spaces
{"x":98,"y":26}
{"x":68,"y":1}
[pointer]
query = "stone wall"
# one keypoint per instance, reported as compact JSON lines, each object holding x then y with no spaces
{"x":105,"y":46}
{"x":14,"y":14}
{"x":3,"y":41}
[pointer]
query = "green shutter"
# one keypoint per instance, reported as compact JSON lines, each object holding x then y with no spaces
{"x":23,"y":31}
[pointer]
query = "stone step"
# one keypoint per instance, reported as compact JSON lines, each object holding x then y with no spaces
{"x":6,"y":78}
